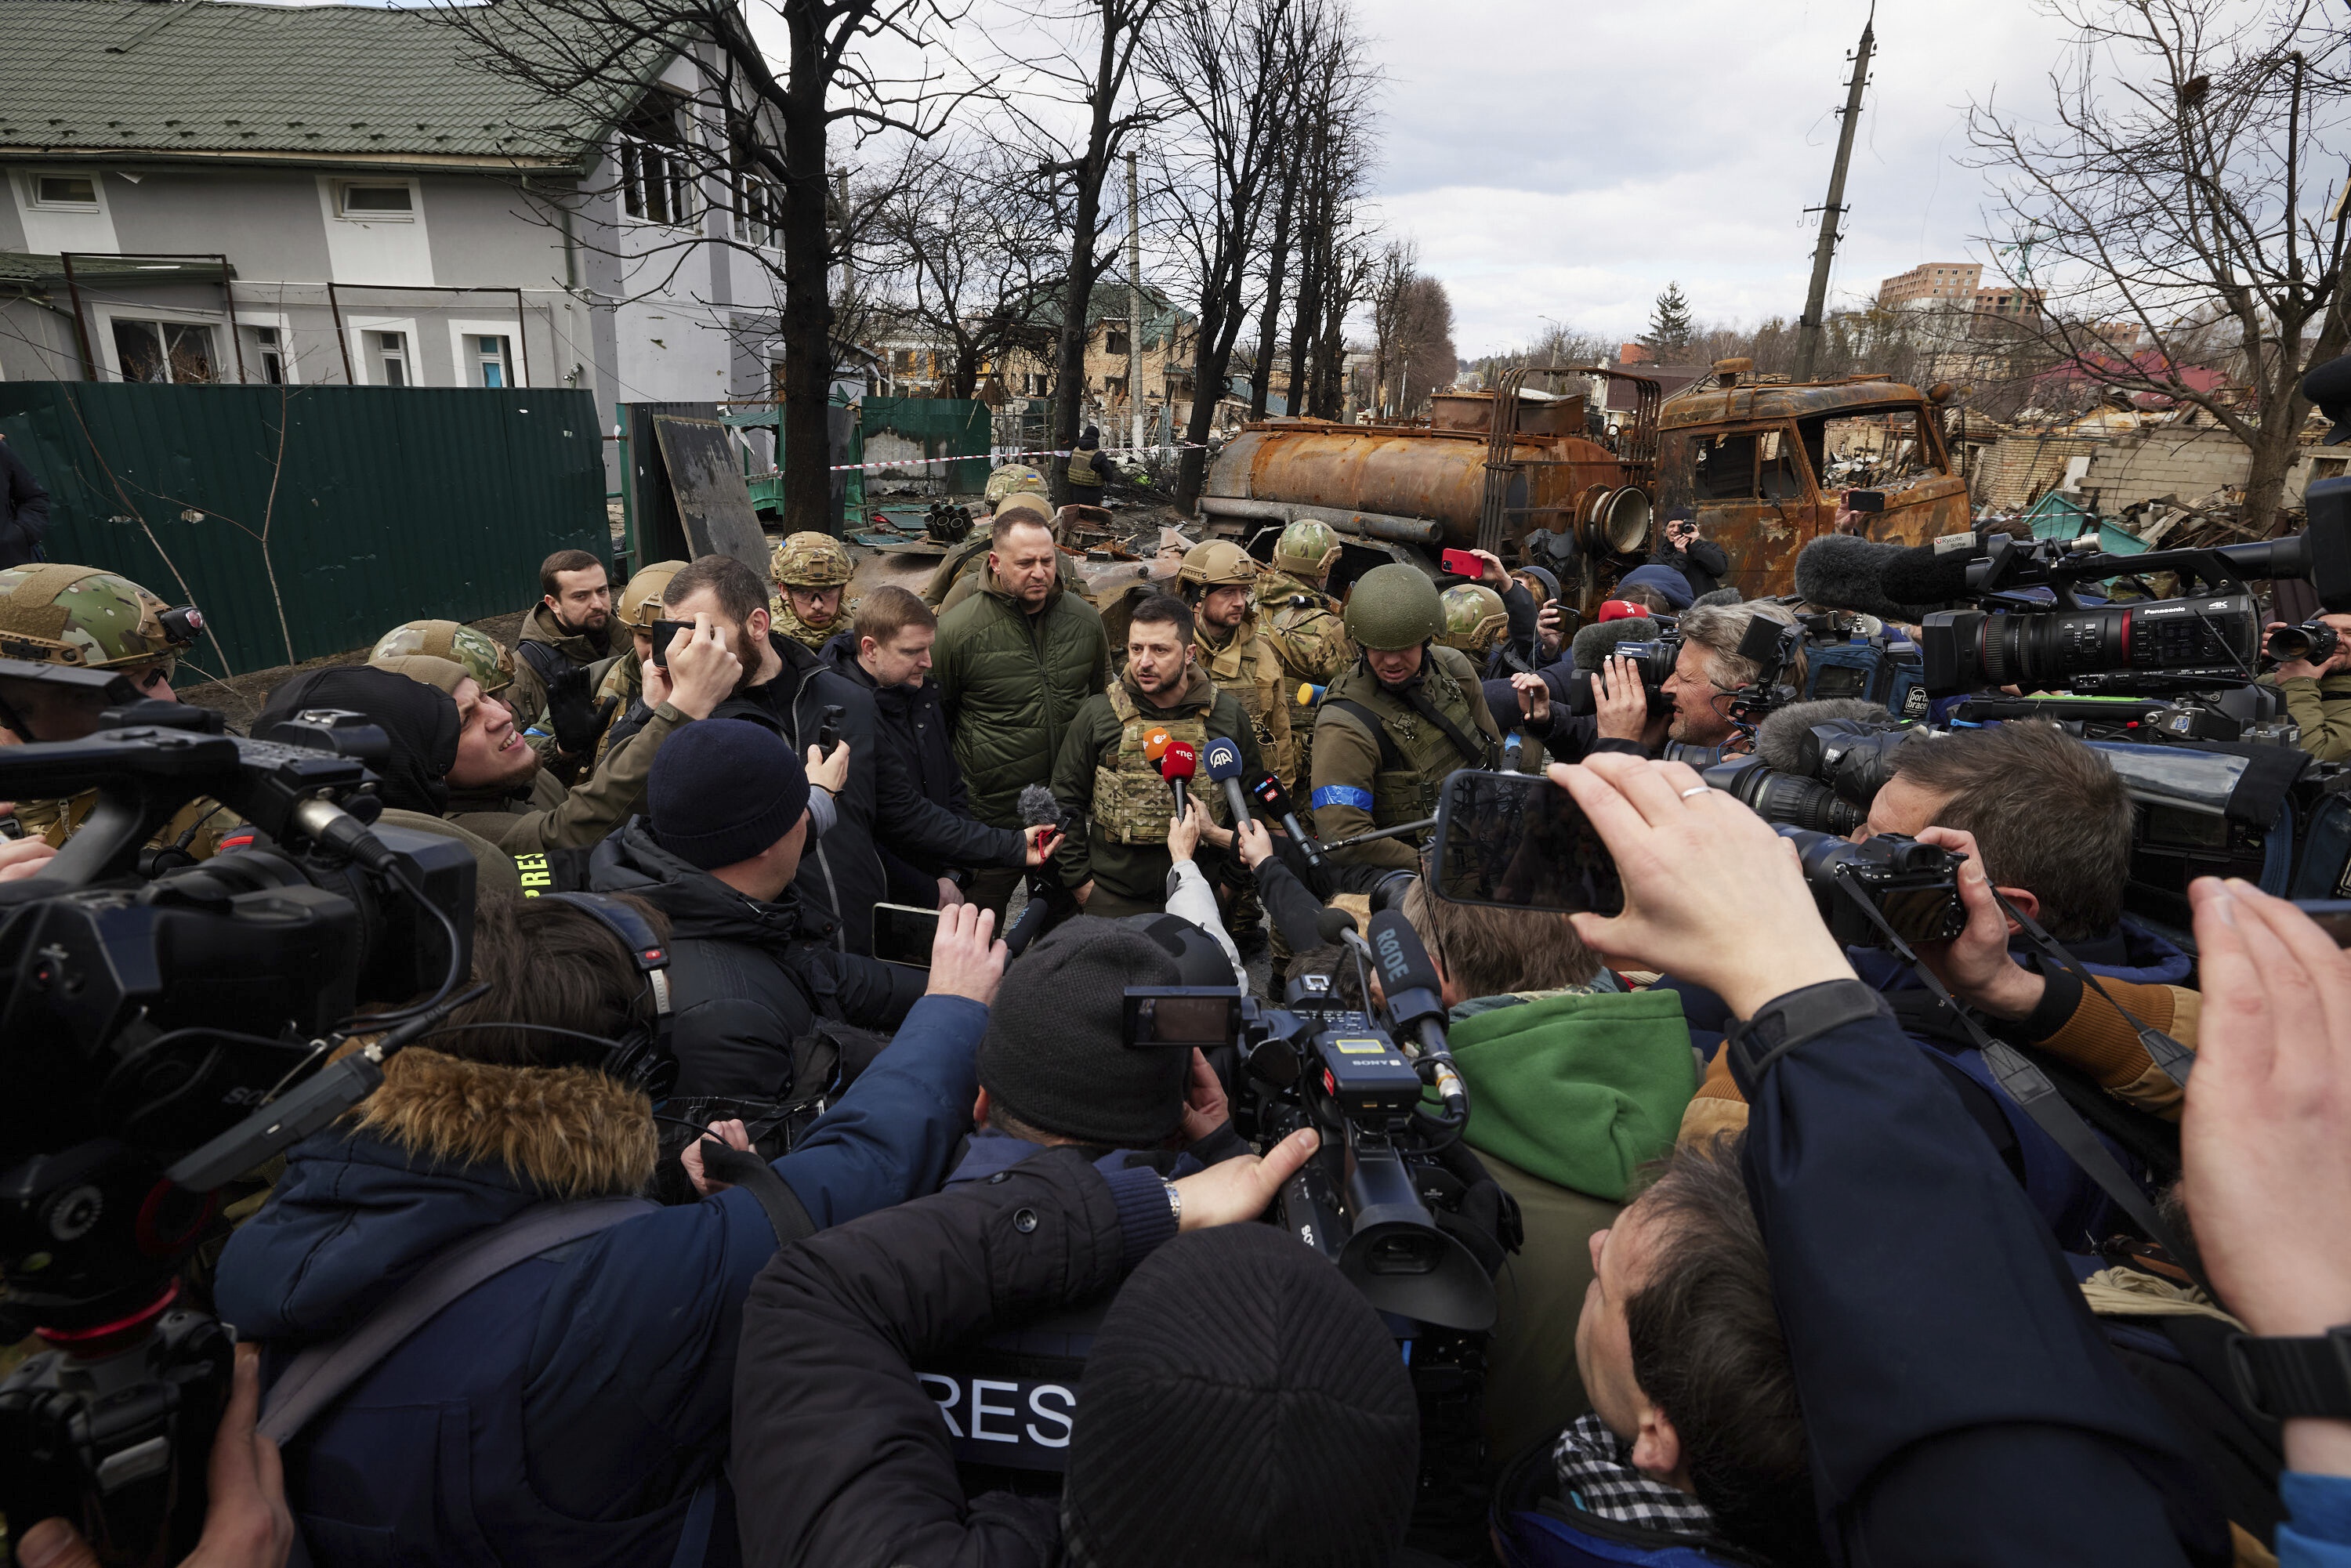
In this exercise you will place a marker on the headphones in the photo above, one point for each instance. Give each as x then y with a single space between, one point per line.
639 1056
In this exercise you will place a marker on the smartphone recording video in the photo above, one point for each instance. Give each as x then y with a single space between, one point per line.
1519 842
903 934
663 634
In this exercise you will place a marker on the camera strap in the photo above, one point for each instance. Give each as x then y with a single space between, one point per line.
2040 1099
2165 1052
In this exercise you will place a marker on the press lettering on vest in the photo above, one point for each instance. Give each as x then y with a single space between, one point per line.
947 1402
1063 1415
981 1409
534 876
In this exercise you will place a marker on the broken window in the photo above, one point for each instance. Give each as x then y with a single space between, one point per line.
178 352
1117 343
655 179
1888 450
269 344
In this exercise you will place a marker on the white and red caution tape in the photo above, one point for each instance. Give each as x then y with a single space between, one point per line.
996 457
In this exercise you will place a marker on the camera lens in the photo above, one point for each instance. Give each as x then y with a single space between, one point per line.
1968 649
1789 798
2314 641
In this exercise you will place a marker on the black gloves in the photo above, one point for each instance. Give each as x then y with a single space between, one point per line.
577 718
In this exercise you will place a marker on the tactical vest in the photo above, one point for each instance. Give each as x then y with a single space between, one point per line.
1248 667
196 828
1415 755
1081 470
1132 803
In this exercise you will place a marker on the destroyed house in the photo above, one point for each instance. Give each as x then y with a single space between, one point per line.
201 191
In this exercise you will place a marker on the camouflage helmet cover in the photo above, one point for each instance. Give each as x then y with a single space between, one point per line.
641 601
1394 606
1217 563
1012 479
1306 547
1474 617
811 561
492 666
60 614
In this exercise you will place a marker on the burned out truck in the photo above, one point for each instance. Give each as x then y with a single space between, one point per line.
1536 478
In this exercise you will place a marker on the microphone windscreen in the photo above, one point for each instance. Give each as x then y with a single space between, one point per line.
1777 737
1620 610
1927 574
1591 645
1179 762
1156 745
1403 961
1224 760
1333 923
1038 807
1842 572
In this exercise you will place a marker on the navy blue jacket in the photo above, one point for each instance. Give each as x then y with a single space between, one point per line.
567 1410
1959 1402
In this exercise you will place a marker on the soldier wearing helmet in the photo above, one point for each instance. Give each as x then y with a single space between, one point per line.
86 619
1300 618
812 572
477 653
639 606
963 574
1218 579
1474 620
1397 723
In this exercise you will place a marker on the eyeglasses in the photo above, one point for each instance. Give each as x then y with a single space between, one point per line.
156 675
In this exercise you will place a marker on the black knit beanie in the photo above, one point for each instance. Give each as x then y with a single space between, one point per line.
1055 1055
1243 1405
723 790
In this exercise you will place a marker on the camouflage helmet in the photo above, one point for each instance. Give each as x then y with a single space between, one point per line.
1011 479
1474 617
1216 563
1307 549
1393 607
492 666
640 602
811 561
78 615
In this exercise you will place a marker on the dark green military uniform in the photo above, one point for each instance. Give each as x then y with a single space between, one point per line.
2322 708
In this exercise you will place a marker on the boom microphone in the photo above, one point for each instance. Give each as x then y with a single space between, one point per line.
1591 645
1930 574
1842 572
1777 738
1177 764
1224 760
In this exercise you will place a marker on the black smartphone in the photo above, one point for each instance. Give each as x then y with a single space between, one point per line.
664 633
2333 915
903 934
1864 500
1519 842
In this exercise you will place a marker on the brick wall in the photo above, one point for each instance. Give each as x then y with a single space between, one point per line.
2190 464
2018 467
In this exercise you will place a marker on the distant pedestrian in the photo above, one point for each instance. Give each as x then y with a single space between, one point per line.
25 512
1083 473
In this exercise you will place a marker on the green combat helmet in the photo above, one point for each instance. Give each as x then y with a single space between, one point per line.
811 561
1394 606
1306 550
93 620
1473 618
1013 479
492 667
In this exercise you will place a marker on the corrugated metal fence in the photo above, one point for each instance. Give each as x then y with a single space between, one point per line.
307 520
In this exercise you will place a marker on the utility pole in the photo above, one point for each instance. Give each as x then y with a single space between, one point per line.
1809 329
1133 304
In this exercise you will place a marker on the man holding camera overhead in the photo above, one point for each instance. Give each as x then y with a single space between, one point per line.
1113 766
2317 692
1393 728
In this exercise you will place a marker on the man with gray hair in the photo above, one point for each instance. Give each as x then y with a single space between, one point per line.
1710 670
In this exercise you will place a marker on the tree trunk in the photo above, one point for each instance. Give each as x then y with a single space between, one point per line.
1191 466
808 303
1270 325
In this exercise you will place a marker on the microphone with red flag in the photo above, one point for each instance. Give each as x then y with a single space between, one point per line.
1177 763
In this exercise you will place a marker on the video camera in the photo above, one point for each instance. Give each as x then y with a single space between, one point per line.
149 1018
1771 647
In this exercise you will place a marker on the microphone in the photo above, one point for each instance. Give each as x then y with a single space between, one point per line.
1930 574
1842 572
1778 737
1276 802
1224 760
1332 924
1408 980
1176 764
1309 694
1591 645
1620 610
1155 744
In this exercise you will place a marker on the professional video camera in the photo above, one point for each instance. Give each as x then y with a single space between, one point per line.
154 1025
1771 647
1843 659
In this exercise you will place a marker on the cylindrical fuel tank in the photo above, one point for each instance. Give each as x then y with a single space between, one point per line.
1383 470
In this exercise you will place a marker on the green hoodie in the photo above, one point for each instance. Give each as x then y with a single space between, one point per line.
1579 1090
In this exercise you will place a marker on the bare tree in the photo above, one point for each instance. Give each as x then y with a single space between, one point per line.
2176 191
728 148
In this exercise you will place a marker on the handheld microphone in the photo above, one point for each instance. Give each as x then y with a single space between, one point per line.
1414 1001
1178 763
1309 694
1276 802
1224 760
1155 744
1620 610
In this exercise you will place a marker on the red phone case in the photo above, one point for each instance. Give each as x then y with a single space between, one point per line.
1462 563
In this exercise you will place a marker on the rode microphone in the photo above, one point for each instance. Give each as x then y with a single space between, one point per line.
1176 764
1276 802
1224 760
1415 1002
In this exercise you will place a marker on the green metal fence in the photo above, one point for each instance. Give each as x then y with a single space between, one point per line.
307 520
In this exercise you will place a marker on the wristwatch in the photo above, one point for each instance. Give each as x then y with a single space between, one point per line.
2285 1378
1175 1201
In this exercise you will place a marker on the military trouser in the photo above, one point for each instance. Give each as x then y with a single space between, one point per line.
992 888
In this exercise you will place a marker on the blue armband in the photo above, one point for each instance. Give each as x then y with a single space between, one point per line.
1341 794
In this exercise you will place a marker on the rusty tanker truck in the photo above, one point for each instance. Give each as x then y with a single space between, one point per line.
1537 481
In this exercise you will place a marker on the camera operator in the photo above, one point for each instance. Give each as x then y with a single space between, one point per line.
574 1407
1683 566
1121 865
1620 720
727 824
1902 1256
1396 725
2318 695
1708 671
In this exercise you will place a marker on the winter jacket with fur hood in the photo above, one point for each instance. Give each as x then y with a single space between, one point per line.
567 1410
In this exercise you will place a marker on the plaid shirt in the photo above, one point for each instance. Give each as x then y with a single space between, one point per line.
1596 1474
